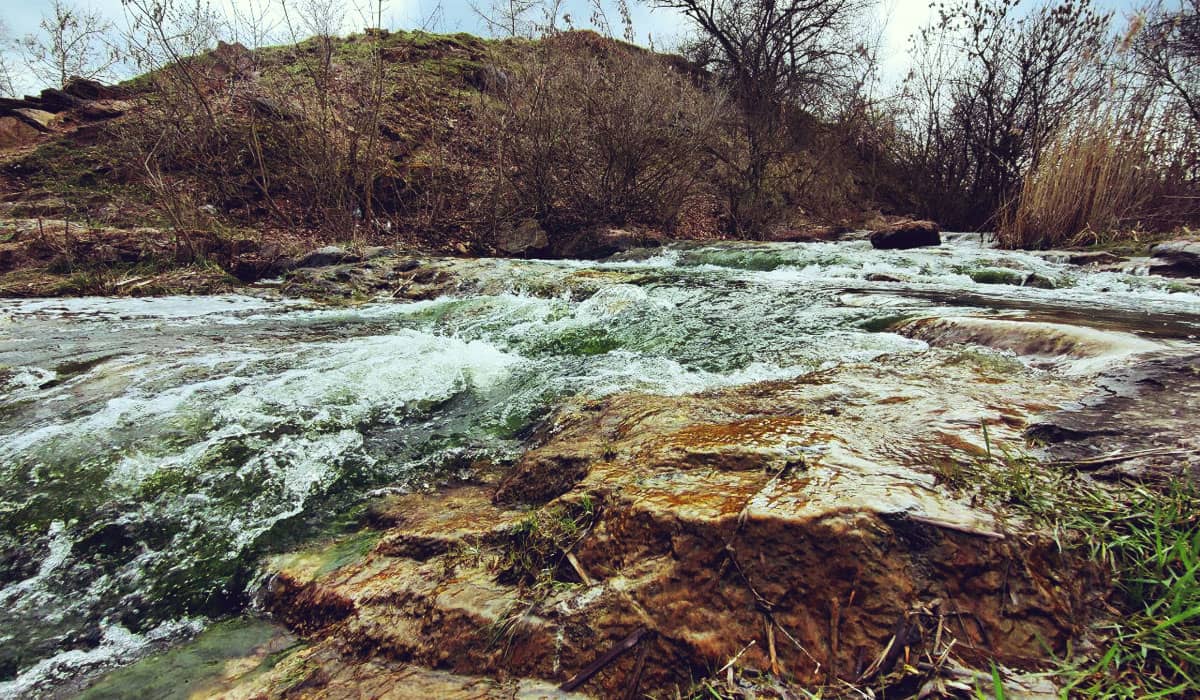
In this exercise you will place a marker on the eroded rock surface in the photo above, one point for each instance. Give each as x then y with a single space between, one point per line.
813 525
1140 421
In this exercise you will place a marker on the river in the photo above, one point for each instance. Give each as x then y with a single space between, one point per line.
152 451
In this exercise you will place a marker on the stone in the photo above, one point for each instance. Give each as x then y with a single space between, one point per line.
324 257
99 111
377 251
233 59
704 521
907 234
1039 281
524 237
55 100
36 118
86 89
1074 350
1080 257
597 243
489 78
15 133
1138 423
1176 259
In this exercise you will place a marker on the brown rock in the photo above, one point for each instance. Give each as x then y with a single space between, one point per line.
524 237
86 89
15 133
907 234
705 520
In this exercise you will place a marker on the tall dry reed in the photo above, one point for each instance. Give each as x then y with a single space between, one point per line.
1094 179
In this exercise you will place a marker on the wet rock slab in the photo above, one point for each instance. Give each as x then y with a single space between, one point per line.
810 525
1139 422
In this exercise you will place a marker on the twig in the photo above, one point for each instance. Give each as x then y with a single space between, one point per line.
604 659
583 576
770 625
1115 458
638 670
835 623
735 658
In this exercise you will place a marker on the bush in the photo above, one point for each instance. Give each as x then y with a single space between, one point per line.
589 136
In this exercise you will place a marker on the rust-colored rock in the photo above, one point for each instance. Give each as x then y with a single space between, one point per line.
16 133
805 524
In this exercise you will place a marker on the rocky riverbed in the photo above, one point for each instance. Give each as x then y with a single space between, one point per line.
779 465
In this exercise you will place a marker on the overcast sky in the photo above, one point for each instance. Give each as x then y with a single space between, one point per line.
897 19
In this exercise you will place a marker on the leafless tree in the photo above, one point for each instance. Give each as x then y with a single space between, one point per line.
508 18
7 87
775 59
71 42
991 85
252 23
1167 51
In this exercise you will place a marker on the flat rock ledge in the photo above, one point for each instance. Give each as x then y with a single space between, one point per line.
817 530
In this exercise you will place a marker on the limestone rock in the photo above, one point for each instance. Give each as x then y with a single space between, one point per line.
704 522
15 133
324 257
524 237
907 234
1176 259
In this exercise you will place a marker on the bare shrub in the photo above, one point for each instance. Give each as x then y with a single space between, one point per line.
296 141
779 61
72 41
588 137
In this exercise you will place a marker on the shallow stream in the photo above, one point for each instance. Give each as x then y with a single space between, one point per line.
153 450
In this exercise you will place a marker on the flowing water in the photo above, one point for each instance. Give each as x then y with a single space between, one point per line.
153 450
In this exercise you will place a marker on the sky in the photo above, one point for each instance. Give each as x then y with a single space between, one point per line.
896 19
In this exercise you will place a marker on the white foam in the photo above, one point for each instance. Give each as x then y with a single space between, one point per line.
117 646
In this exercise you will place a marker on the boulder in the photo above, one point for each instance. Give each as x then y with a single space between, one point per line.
489 79
685 526
86 89
55 100
598 243
99 111
36 118
233 60
1176 259
522 238
15 133
907 234
324 257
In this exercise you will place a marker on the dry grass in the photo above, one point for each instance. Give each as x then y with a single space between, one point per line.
1118 169
1092 180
